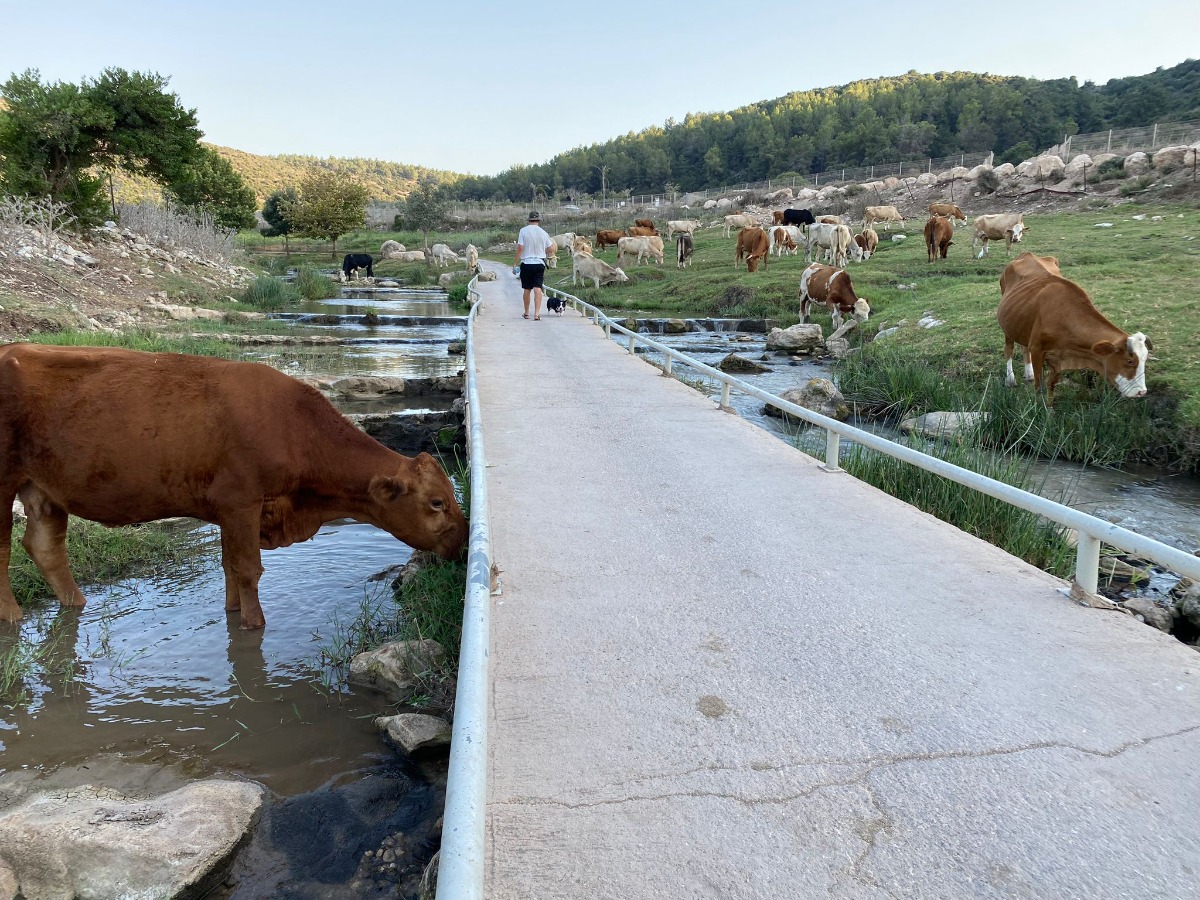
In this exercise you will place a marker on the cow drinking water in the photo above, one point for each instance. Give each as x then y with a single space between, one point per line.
352 262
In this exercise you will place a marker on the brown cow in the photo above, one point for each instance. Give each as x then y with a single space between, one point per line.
947 210
938 233
118 437
642 231
754 245
644 223
1059 326
832 287
608 237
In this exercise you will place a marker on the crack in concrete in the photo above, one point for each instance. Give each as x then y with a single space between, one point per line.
869 766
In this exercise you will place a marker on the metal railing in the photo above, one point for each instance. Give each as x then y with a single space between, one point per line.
1091 531
1125 140
460 868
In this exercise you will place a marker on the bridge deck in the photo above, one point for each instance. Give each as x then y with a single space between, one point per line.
720 672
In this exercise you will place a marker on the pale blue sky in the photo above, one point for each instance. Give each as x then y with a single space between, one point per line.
477 87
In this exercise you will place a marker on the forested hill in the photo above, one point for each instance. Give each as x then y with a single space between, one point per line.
911 116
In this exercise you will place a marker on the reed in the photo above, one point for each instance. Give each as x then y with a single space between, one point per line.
267 292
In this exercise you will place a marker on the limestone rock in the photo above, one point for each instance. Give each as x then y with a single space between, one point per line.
675 326
710 204
739 364
980 169
1151 613
796 339
489 275
1078 163
1189 604
414 731
1137 164
926 179
953 174
1042 168
92 841
395 669
1172 157
820 395
1005 170
951 426
724 203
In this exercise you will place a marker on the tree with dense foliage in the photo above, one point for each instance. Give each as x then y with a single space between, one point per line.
54 136
274 211
908 117
327 205
425 208
210 185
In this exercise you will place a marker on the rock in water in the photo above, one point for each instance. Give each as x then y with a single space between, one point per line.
92 841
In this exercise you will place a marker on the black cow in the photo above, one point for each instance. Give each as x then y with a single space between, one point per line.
355 261
683 244
801 217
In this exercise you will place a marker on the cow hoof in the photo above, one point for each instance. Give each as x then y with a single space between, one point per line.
253 624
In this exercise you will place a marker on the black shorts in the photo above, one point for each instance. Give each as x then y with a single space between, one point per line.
532 274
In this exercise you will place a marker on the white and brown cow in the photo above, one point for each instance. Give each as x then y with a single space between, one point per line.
831 287
754 245
1009 226
1059 326
835 238
949 211
885 214
867 241
782 240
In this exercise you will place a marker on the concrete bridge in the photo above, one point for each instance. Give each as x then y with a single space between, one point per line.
719 671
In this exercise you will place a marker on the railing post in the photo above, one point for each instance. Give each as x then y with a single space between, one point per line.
1087 562
632 341
725 395
832 447
667 367
607 329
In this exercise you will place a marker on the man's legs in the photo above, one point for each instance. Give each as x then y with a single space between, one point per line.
537 302
525 300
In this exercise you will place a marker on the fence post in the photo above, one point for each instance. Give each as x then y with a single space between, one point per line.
901 175
1154 139
843 174
1108 149
930 169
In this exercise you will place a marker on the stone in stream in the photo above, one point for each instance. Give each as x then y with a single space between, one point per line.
91 841
796 339
1188 605
820 395
739 364
396 669
948 426
675 326
1151 613
412 732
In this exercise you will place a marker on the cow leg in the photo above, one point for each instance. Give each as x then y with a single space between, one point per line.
46 543
242 561
1009 378
10 610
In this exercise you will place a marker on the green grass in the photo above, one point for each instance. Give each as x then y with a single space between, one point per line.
144 339
270 293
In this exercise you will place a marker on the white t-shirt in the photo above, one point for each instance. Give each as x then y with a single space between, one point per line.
534 243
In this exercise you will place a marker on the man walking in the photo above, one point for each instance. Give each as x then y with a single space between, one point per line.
533 246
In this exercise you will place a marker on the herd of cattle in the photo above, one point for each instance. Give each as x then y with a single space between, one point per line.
1049 316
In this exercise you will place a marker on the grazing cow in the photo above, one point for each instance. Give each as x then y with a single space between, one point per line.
885 214
781 240
443 255
608 237
938 233
868 241
801 218
1059 326
754 245
585 266
739 221
681 226
352 262
683 246
948 210
119 436
581 245
564 241
641 231
832 287
1010 226
645 223
638 247
829 220
552 256
389 248
472 258
835 238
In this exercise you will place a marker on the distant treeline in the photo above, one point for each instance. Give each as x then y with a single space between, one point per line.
912 116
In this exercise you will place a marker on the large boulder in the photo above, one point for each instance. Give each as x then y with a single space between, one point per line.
891 183
1005 170
1042 168
1137 164
951 426
395 669
780 196
1151 613
820 395
1188 605
710 204
735 364
1099 159
724 203
412 732
806 193
953 174
1172 157
980 169
1078 163
91 841
796 339
926 179
675 326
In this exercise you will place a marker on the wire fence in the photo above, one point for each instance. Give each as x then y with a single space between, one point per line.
1123 141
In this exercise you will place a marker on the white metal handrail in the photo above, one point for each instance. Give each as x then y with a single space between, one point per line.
1091 531
460 867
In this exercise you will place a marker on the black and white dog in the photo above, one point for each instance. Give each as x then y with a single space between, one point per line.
556 305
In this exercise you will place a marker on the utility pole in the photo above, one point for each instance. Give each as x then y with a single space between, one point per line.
603 170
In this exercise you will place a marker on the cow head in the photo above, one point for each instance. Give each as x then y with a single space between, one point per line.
1016 231
416 505
862 309
1125 363
616 275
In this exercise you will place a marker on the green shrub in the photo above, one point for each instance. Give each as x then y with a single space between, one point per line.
853 190
988 182
312 285
457 293
1137 185
268 292
1111 169
734 297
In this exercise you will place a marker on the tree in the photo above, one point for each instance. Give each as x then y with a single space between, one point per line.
53 136
327 205
211 185
425 208
274 211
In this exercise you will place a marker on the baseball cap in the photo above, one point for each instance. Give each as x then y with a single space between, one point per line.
535 216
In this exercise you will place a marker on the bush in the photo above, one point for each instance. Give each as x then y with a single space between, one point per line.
1137 185
457 293
267 292
735 296
988 181
312 285
1111 169
853 190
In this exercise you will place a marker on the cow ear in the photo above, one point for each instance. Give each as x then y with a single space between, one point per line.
387 488
1149 344
1105 348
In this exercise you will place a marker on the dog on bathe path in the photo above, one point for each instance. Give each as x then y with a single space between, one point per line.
556 305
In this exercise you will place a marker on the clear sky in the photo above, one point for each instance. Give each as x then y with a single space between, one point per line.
478 87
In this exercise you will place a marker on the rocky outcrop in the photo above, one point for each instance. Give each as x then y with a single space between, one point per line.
1173 157
92 841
